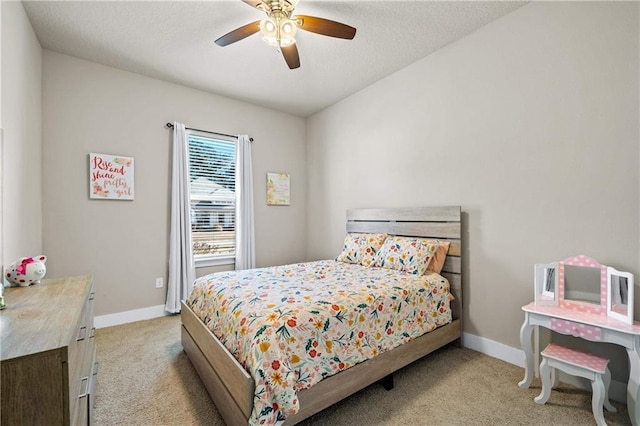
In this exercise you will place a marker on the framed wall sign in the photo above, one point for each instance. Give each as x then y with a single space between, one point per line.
110 177
278 189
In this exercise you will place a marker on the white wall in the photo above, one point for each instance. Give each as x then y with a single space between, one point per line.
21 119
530 123
1 168
92 108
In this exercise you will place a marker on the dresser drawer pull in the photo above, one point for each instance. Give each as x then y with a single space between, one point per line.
85 382
82 333
93 333
95 368
92 295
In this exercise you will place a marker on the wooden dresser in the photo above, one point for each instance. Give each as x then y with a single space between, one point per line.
48 364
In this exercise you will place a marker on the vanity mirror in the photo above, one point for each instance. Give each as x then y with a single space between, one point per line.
620 295
582 285
546 284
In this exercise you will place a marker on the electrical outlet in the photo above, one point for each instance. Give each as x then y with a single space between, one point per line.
159 283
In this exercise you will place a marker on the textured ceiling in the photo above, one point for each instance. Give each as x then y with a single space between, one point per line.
173 41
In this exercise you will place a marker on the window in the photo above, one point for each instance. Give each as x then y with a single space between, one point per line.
213 199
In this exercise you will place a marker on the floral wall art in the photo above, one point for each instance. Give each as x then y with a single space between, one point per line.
110 177
278 189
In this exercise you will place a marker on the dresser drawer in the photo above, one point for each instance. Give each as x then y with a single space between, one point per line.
93 381
81 358
82 407
576 329
84 399
76 350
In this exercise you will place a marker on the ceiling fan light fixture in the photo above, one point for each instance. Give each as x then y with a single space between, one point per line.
269 26
269 31
278 32
289 27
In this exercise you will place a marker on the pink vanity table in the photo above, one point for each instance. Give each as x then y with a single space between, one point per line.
590 321
596 328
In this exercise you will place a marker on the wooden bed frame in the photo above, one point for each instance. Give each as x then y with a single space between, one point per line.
231 388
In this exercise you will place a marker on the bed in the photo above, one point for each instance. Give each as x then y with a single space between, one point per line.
232 388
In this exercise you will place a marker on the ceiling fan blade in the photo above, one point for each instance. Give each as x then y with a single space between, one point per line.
238 34
290 54
324 27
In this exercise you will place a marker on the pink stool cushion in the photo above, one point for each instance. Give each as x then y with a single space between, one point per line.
576 357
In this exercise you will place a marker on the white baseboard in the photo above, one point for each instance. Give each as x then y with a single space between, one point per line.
493 349
110 320
617 389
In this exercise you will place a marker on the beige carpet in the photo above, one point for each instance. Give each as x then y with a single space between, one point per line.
145 378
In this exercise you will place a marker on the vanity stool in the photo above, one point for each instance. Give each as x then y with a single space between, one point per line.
581 364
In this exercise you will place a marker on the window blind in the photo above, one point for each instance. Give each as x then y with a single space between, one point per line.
212 194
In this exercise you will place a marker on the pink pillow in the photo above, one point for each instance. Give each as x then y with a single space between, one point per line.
439 257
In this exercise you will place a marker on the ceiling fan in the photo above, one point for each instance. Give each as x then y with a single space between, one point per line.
279 28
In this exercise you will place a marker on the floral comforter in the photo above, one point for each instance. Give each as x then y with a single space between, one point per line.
290 326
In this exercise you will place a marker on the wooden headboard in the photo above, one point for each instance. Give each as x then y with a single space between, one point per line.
443 223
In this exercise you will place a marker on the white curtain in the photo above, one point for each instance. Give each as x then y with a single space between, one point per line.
245 240
181 267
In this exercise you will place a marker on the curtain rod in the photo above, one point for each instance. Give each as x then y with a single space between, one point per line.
170 126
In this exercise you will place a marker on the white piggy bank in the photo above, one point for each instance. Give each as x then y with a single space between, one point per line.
26 271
